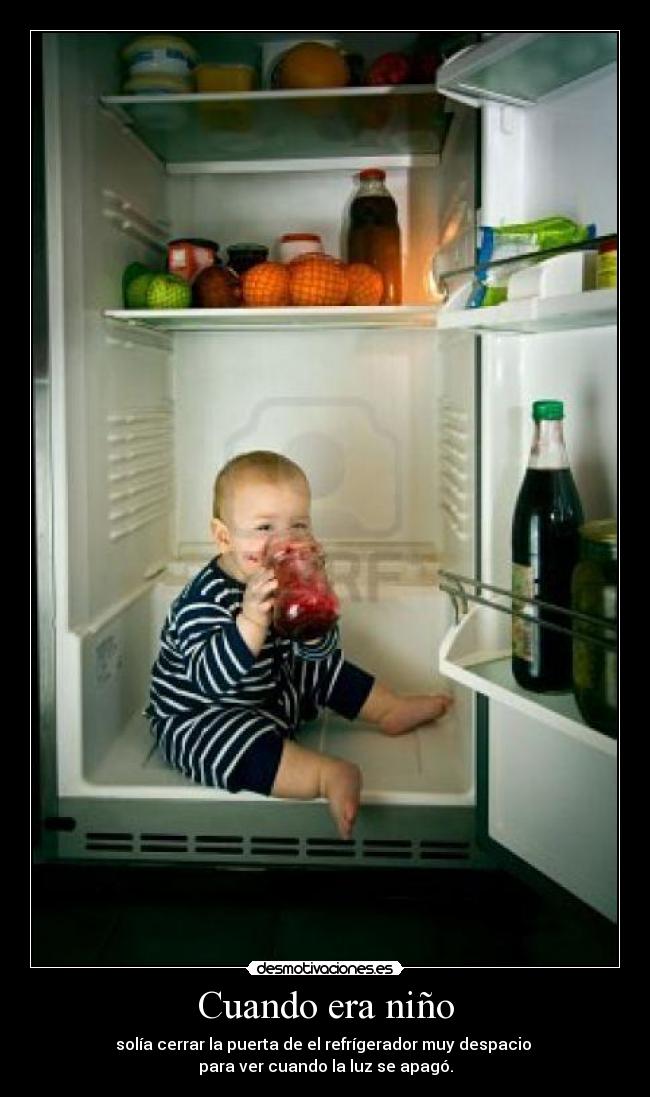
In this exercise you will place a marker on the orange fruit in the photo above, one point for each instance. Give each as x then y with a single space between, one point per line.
317 280
313 65
266 285
365 285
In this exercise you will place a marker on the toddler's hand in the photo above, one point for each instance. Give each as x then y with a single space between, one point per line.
257 605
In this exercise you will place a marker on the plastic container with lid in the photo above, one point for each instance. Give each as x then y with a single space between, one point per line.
594 591
154 83
190 255
159 53
558 276
607 265
158 116
298 243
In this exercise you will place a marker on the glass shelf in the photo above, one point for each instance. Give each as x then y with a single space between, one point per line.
477 654
303 318
286 125
525 67
594 308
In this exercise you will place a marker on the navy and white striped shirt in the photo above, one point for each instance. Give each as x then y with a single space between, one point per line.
203 659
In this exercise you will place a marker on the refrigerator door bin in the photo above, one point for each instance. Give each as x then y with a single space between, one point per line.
477 654
526 67
594 308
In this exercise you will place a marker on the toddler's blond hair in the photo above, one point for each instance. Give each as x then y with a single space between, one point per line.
269 466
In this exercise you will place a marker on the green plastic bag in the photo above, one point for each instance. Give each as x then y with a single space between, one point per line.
507 241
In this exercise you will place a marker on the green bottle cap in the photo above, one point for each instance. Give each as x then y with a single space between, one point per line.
548 409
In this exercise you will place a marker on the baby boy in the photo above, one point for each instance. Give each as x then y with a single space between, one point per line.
228 694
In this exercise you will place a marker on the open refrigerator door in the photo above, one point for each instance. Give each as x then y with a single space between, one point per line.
547 781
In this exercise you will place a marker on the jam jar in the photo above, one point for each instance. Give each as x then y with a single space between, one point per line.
241 257
594 591
305 606
188 256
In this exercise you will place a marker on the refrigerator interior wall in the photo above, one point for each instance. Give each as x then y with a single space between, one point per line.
557 158
577 367
261 206
142 424
110 394
357 410
570 155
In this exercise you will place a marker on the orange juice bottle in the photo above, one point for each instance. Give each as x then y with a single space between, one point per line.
374 234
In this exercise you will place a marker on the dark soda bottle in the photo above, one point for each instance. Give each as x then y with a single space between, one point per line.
545 550
374 235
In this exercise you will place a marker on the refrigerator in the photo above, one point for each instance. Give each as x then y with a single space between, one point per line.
412 423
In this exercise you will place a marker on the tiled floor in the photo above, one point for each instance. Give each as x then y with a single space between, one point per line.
99 916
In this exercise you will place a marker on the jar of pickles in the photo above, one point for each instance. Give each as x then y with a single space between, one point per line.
594 591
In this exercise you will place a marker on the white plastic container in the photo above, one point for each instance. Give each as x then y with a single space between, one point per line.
559 276
158 84
160 54
298 243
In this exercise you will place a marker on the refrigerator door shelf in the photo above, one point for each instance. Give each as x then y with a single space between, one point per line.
530 315
525 67
477 653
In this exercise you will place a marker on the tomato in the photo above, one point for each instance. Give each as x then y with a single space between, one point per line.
390 68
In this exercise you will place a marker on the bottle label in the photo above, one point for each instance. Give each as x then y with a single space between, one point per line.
522 632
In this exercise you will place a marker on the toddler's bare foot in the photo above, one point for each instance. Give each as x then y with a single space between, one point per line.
407 713
342 787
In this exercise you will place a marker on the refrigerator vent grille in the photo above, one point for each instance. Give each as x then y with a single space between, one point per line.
455 443
140 454
109 841
330 847
231 845
444 851
277 848
163 843
395 849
